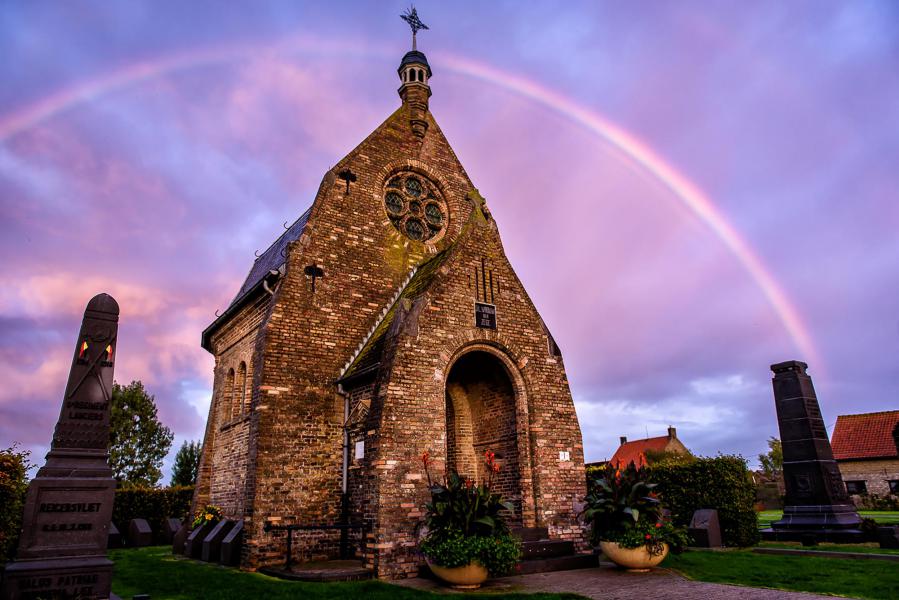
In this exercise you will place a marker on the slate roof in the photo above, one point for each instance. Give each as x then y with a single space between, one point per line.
370 354
273 257
869 435
635 452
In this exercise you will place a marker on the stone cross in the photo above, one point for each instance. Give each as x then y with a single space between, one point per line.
68 509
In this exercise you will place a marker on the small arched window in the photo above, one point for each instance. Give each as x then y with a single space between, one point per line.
240 391
227 396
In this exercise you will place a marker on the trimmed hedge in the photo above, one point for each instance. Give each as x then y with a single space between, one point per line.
153 504
14 467
724 483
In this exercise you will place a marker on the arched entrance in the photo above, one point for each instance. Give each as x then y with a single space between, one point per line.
481 416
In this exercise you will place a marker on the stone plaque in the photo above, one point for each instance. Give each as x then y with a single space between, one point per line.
68 508
705 529
139 533
212 543
485 315
230 551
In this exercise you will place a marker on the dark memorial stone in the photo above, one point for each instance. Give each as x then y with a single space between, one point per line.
193 547
704 529
68 509
817 507
230 551
139 533
114 538
180 539
888 537
212 543
169 528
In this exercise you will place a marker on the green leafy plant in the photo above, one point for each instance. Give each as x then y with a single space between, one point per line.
208 514
623 507
466 522
14 466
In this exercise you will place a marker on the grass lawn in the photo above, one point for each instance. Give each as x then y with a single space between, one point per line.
856 578
883 517
156 572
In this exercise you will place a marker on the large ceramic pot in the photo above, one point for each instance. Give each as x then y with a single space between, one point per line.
468 577
633 559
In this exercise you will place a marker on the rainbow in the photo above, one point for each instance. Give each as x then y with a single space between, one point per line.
631 147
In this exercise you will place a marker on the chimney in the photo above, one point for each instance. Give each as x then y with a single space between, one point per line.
672 433
623 440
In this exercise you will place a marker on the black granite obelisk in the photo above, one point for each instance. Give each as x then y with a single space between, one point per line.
62 549
817 507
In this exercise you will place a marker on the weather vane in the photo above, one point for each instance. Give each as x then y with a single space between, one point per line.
411 17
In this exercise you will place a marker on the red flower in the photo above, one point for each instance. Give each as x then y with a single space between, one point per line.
496 467
426 458
658 525
468 483
648 536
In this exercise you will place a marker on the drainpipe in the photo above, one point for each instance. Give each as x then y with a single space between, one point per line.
344 495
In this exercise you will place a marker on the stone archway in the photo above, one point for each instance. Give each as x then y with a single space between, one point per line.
480 416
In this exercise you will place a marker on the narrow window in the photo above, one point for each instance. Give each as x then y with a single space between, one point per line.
240 393
227 396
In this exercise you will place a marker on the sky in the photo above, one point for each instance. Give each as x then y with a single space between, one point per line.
689 191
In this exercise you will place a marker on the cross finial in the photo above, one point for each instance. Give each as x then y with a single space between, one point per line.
411 17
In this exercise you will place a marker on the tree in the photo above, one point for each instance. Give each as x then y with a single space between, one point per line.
138 442
14 468
773 461
187 464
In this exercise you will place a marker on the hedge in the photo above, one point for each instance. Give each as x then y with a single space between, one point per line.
153 504
724 483
14 467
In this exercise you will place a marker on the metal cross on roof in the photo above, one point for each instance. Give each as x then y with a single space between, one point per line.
411 17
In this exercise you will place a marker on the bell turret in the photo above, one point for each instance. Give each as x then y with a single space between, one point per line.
414 72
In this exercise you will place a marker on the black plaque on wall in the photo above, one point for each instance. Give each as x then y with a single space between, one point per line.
485 315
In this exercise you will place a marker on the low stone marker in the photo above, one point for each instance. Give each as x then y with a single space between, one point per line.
180 538
888 537
68 509
230 551
193 547
114 539
139 533
169 528
212 543
704 529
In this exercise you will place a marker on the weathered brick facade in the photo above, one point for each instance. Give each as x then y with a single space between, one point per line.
348 313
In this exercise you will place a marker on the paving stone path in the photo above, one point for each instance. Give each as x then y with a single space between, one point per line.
612 584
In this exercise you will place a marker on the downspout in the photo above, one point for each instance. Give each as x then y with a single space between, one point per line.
344 495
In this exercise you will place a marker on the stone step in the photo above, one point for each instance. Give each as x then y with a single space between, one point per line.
557 563
531 534
546 549
327 570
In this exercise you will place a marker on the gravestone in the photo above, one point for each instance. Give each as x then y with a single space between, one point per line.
230 551
193 547
169 528
68 509
704 529
180 539
212 544
816 507
114 538
139 533
888 537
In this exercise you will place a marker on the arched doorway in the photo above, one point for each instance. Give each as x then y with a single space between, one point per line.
481 416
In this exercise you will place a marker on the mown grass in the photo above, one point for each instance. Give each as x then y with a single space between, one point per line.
883 517
855 578
157 572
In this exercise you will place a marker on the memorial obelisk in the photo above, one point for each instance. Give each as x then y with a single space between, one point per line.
817 507
62 549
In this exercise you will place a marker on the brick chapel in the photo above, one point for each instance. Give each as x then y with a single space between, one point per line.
386 322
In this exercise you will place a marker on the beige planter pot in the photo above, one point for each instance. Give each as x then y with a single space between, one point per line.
633 559
469 577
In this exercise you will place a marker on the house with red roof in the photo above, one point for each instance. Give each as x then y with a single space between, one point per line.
636 451
866 448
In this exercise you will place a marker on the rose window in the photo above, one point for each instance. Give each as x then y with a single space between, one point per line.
415 206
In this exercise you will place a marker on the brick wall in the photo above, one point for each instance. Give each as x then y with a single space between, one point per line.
875 473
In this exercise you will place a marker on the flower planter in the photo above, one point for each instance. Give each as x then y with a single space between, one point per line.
467 577
633 559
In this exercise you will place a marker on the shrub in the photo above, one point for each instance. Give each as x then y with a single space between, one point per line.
875 502
14 467
723 483
153 504
466 522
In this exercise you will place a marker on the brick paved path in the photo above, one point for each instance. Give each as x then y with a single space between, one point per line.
612 584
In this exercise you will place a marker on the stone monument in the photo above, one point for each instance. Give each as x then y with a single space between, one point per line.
68 509
817 507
